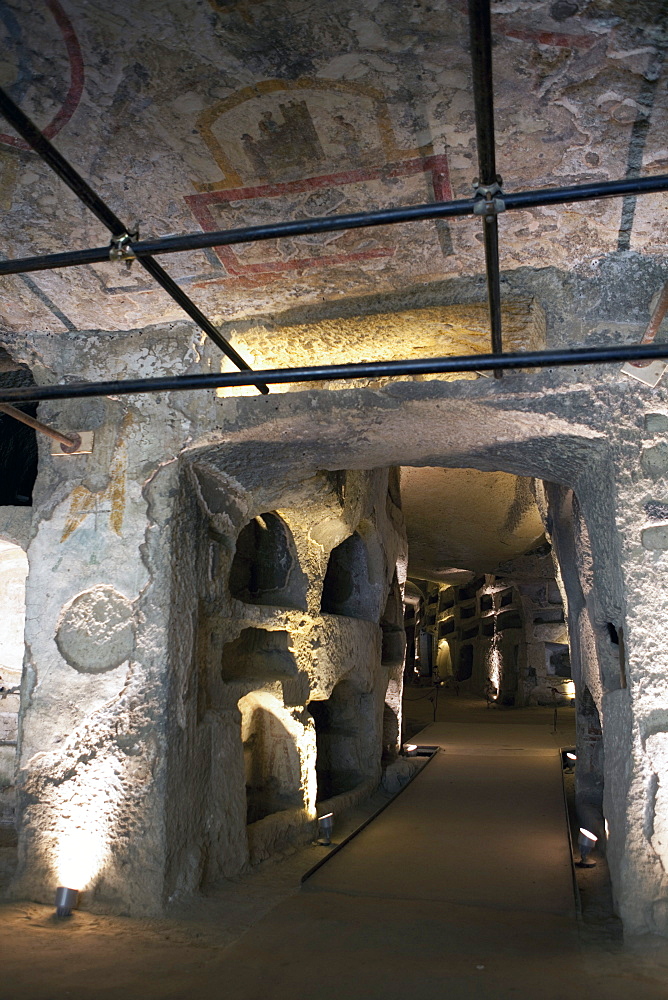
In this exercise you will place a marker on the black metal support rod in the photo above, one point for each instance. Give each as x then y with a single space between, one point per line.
84 192
57 162
480 31
335 223
325 373
491 236
172 288
480 28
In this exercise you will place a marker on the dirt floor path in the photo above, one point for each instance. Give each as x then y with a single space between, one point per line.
461 888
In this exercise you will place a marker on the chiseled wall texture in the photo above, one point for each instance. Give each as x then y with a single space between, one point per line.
113 743
135 540
148 681
13 570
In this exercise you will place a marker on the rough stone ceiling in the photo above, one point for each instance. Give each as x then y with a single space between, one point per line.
406 333
463 519
210 113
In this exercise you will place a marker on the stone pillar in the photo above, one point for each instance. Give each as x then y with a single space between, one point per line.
635 717
91 779
13 571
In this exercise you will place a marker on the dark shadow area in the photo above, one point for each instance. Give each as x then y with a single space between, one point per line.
271 765
465 663
338 727
346 589
265 568
18 443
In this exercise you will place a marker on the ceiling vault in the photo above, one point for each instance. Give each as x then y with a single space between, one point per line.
488 201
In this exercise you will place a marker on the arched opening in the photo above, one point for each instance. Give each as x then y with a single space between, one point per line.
393 653
258 656
271 759
13 573
343 724
265 569
18 443
347 589
464 663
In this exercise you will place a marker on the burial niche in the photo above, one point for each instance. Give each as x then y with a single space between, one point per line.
271 757
341 724
258 656
465 663
265 569
347 589
557 659
392 628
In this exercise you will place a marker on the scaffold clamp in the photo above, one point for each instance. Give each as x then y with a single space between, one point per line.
488 198
120 248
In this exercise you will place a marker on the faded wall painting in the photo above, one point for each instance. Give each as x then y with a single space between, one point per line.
35 69
293 149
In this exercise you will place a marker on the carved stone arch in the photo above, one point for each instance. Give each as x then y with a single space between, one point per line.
346 589
265 569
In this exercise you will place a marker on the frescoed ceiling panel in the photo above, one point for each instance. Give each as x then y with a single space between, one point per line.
203 115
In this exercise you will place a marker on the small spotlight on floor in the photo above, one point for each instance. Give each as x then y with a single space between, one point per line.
66 901
410 749
586 843
325 827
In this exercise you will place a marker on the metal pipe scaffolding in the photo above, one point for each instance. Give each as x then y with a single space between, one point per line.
489 183
119 232
326 373
489 200
335 223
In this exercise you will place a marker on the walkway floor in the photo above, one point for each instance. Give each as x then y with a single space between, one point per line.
460 889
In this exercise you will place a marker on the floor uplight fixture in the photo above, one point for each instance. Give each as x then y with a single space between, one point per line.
66 901
325 827
586 843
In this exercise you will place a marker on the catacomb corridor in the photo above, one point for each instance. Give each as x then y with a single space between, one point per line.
289 680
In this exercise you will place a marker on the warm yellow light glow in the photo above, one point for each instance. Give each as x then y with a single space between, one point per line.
434 331
495 665
84 810
290 745
569 689
80 854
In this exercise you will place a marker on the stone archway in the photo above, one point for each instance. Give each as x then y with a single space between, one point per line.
285 454
425 426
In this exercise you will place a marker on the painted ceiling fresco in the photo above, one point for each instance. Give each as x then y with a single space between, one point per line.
208 114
